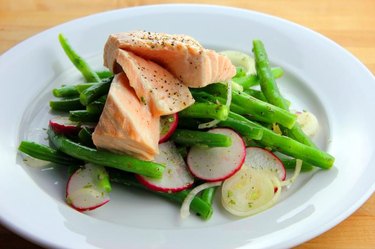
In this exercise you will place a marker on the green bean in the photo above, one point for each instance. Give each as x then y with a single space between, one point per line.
83 86
95 108
94 92
205 110
105 158
65 91
208 194
104 74
202 96
71 90
85 137
267 81
189 123
246 130
256 94
247 81
272 92
297 133
102 178
198 206
78 61
101 100
259 95
200 138
248 104
240 72
290 163
263 111
97 105
83 116
290 147
66 104
43 152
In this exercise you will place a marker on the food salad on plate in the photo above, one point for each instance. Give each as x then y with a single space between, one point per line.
182 121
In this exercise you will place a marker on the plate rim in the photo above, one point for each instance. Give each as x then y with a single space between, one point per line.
30 236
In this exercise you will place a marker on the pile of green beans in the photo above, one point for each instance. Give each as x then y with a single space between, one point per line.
84 102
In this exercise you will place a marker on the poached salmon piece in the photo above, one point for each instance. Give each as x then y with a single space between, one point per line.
126 125
154 85
181 55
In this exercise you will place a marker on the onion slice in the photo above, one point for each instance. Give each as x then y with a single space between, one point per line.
250 191
240 59
295 175
185 207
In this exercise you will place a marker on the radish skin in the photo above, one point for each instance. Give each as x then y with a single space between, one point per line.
85 190
62 125
79 199
167 127
176 177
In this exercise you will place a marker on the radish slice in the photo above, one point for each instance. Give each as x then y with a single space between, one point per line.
84 191
259 158
176 176
168 125
250 191
63 125
218 163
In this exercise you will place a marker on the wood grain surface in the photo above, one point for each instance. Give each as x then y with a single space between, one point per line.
350 23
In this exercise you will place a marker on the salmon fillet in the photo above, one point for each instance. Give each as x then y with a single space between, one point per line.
126 125
181 55
154 85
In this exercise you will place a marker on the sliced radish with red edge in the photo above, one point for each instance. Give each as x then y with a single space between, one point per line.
259 158
176 176
168 125
83 190
62 125
217 163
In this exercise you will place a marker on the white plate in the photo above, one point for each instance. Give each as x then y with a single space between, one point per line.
320 76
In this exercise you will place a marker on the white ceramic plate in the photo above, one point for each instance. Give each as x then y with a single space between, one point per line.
320 76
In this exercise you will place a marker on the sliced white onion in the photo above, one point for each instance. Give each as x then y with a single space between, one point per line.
229 93
34 162
250 191
210 124
297 170
185 207
214 122
240 59
308 122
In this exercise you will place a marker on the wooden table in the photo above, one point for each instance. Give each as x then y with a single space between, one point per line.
350 23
